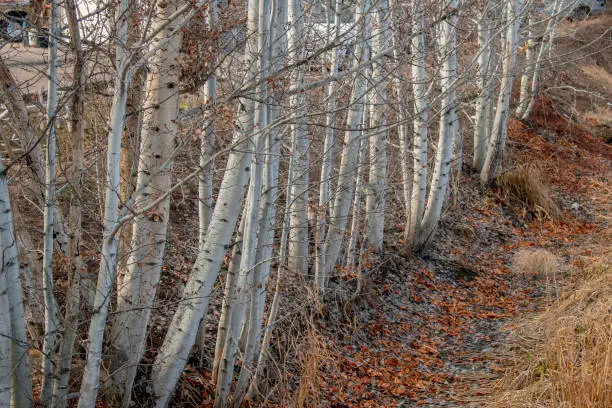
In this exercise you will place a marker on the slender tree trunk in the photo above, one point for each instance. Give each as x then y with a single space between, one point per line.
50 331
497 141
5 343
350 251
527 69
298 232
328 155
375 199
482 104
344 193
108 259
13 341
419 183
547 40
441 173
71 320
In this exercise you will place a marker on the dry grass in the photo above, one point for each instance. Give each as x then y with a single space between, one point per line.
527 184
538 261
563 358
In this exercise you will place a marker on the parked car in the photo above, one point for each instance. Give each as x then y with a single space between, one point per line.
577 9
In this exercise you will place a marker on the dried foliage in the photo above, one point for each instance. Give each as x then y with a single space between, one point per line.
538 261
526 183
568 362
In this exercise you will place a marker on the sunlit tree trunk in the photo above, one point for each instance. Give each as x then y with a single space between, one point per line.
420 124
71 320
328 154
344 187
497 140
298 232
182 331
547 40
375 199
528 66
442 166
50 330
481 133
15 381
108 258
136 296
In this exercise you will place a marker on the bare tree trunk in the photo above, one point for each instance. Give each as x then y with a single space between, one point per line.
547 40
481 133
328 154
342 201
375 199
497 141
30 143
136 297
441 173
419 183
71 320
108 258
182 332
350 251
50 330
13 338
298 232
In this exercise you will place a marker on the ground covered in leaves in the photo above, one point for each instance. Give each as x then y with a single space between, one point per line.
432 336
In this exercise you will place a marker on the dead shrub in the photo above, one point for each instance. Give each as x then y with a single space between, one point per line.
565 357
527 184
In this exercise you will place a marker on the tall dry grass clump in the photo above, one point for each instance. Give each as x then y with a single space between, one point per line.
539 261
565 355
527 184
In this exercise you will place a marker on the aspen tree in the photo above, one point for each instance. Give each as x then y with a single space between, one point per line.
182 332
497 140
481 129
77 111
441 173
108 258
50 329
375 199
420 125
298 233
344 188
13 339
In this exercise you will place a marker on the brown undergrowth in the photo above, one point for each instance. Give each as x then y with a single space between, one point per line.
563 358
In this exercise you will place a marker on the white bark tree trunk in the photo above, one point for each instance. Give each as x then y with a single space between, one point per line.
328 155
298 232
375 199
108 258
527 69
50 330
136 296
73 298
13 338
421 106
547 40
344 188
441 173
481 132
350 251
497 140
182 332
